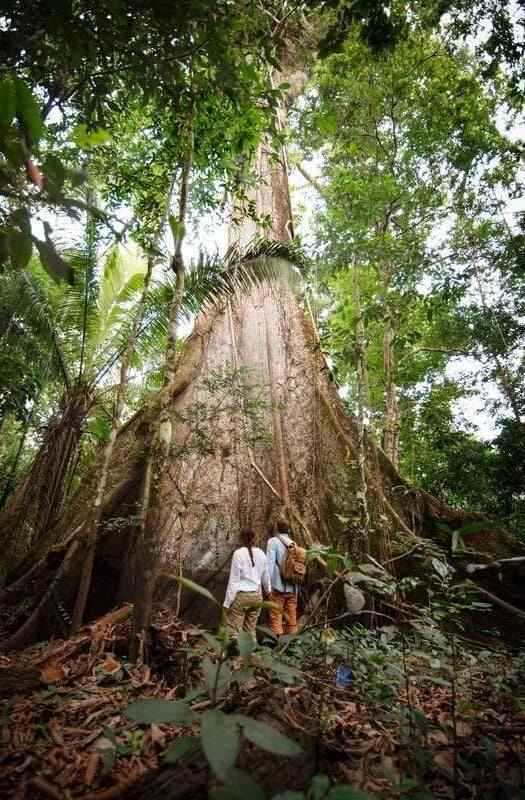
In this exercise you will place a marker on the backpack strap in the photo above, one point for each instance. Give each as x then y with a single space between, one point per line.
292 544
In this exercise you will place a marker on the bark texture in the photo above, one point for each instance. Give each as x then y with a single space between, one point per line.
30 511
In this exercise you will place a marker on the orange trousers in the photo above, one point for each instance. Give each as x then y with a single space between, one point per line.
284 621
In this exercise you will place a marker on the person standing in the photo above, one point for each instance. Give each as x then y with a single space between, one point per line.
283 592
248 578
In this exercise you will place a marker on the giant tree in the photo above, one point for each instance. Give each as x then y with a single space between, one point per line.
255 423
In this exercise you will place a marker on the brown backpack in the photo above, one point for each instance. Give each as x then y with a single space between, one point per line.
293 566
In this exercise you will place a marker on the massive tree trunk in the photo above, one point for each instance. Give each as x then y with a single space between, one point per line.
257 426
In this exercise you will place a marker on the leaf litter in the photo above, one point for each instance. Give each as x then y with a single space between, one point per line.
67 736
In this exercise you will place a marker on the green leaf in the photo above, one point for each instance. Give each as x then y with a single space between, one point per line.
195 587
161 711
268 738
14 153
219 739
214 642
242 786
319 786
477 526
121 749
52 262
349 793
7 103
54 173
177 229
283 671
100 428
27 111
20 247
180 747
441 526
289 795
217 677
245 644
420 720
333 562
327 123
88 139
440 567
241 675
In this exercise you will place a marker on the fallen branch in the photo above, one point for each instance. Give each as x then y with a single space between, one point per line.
496 600
114 791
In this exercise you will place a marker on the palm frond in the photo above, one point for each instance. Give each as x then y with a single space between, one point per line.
211 278
37 309
122 277
122 281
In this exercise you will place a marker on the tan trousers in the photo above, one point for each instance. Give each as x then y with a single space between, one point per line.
241 618
284 621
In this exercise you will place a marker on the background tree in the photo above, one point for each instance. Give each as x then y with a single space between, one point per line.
410 153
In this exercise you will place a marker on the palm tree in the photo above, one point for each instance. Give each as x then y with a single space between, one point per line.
80 329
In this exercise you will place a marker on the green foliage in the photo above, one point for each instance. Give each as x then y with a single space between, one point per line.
320 789
335 561
160 711
413 248
219 731
85 66
458 536
232 398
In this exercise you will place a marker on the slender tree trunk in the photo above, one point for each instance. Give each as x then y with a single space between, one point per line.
501 369
96 517
10 481
150 528
508 391
362 382
391 424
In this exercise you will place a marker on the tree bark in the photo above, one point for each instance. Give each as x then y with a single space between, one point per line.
154 491
38 496
391 424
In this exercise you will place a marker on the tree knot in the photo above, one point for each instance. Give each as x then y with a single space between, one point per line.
177 264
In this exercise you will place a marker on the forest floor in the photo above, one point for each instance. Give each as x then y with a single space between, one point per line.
390 713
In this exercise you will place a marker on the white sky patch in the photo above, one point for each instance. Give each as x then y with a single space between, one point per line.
472 412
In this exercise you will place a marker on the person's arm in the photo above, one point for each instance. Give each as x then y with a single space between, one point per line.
265 578
233 582
271 555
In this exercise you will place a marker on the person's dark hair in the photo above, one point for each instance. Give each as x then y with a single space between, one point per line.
281 526
248 539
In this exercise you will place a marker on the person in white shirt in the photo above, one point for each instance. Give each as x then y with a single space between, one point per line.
248 577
